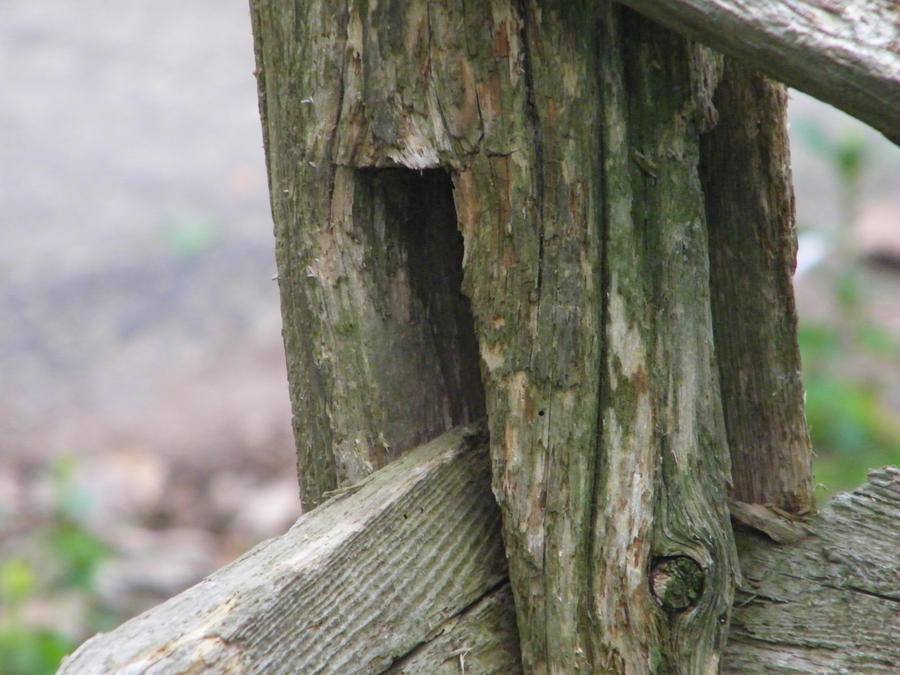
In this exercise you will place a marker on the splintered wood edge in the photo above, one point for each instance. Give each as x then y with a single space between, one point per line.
357 584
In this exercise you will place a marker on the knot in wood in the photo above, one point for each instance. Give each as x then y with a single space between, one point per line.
676 582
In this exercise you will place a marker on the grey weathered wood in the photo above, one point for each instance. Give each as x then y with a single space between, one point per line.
424 531
483 640
380 348
844 52
563 140
831 602
746 175
354 586
661 411
570 132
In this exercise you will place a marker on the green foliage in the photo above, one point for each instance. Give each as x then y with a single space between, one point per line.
62 556
78 553
851 426
847 153
189 238
17 582
24 651
848 289
852 430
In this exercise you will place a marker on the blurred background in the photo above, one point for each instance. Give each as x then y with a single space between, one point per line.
144 413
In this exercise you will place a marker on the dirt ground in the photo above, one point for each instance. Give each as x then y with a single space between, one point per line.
139 323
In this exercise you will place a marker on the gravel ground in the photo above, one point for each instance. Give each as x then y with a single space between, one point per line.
135 218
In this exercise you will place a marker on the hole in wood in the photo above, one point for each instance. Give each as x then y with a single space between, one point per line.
676 582
428 362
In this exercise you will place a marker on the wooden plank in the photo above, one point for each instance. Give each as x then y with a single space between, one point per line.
844 53
661 516
745 167
405 574
354 586
831 602
483 640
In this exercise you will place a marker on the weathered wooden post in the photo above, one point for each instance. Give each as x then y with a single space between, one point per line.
497 208
563 218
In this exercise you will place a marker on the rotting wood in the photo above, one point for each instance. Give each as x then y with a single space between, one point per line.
845 53
380 349
826 604
571 133
664 465
746 176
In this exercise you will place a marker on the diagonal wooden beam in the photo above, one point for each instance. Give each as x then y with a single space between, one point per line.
405 573
846 53
355 585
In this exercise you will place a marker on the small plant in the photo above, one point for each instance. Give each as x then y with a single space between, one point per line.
187 238
77 551
25 650
60 557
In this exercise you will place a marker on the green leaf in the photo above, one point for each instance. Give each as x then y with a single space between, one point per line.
17 581
78 552
32 652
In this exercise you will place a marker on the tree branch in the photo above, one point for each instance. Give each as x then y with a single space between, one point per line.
845 53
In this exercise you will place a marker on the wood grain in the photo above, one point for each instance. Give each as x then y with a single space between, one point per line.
745 167
354 586
844 53
424 533
831 602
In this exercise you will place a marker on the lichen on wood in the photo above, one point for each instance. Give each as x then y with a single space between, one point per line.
571 133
